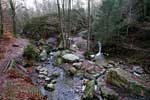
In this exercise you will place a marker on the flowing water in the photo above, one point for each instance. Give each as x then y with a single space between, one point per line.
64 88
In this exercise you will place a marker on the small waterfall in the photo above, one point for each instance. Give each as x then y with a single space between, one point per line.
99 54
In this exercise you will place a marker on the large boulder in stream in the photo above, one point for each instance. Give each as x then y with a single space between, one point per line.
124 80
70 57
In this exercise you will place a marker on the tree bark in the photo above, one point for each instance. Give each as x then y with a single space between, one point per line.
69 18
60 22
89 25
13 16
1 19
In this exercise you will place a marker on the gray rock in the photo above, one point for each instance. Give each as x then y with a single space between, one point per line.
77 65
50 87
55 74
47 79
53 81
43 55
38 68
138 69
41 76
70 57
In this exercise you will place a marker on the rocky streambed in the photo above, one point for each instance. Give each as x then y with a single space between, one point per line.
67 75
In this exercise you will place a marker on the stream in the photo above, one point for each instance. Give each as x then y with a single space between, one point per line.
64 87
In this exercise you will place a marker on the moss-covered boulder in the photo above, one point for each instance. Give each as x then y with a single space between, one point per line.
89 90
124 80
109 94
57 61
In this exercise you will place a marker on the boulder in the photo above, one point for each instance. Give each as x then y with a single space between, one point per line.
123 79
70 57
77 65
109 94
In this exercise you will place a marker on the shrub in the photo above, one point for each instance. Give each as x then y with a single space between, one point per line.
30 53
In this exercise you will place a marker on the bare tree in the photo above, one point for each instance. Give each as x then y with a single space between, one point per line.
89 25
61 23
13 12
69 18
1 18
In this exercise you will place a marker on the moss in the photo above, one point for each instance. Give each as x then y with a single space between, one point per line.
116 80
138 89
58 61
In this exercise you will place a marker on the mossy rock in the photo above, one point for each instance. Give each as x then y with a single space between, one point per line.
124 80
89 90
57 61
109 94
117 80
72 71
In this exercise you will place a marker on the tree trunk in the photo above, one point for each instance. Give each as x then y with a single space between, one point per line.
69 18
1 19
13 16
89 25
61 24
63 14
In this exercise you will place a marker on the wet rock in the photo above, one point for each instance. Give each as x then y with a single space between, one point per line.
77 65
41 76
124 80
138 70
43 71
38 68
72 71
53 81
47 79
70 57
43 55
109 94
56 74
49 87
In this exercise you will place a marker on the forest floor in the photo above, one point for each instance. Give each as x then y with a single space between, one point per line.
14 83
